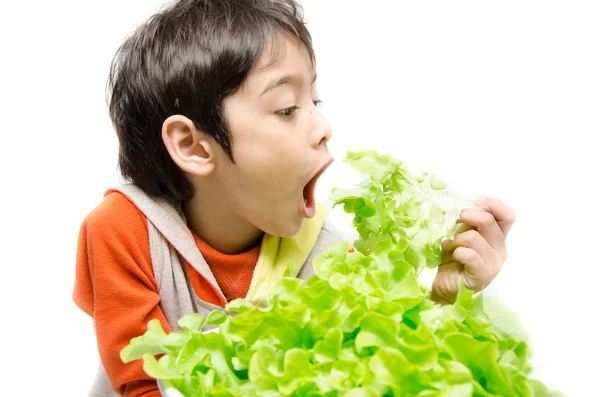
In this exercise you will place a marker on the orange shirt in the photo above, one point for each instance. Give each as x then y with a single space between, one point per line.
115 284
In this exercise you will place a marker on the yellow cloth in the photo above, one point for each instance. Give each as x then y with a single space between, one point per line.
276 253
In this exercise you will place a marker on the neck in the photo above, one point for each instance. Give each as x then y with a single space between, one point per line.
220 227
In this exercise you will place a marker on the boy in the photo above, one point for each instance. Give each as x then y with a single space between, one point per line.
215 107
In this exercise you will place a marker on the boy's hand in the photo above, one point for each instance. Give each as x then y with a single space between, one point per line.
477 252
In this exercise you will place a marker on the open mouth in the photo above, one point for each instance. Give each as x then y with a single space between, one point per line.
309 191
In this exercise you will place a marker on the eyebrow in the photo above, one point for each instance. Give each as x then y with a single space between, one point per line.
294 79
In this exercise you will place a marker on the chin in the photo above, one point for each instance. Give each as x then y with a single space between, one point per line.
287 231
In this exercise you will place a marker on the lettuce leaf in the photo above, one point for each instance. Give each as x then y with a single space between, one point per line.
363 325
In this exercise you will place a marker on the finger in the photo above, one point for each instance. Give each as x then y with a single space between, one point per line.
487 225
445 283
505 216
463 227
446 246
477 274
474 240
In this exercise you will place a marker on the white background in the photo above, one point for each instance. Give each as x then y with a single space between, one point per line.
497 98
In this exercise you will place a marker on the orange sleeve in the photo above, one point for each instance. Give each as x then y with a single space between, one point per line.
115 284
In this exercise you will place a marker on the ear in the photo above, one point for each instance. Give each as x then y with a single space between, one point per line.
191 149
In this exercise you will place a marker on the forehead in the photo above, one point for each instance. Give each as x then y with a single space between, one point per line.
282 55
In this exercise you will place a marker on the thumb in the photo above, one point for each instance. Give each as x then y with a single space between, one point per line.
445 284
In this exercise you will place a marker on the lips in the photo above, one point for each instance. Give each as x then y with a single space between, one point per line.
309 191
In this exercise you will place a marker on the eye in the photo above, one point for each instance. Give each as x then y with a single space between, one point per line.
289 112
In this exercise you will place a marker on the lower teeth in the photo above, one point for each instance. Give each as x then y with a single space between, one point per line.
305 201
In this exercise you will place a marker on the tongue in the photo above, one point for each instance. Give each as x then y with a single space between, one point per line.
309 210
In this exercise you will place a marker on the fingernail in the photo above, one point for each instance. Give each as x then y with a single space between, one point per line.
480 201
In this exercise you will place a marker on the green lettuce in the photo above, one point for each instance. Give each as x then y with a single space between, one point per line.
363 325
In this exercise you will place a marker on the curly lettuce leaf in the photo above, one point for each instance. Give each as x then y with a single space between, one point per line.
415 213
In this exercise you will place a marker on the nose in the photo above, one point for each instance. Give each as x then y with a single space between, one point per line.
321 130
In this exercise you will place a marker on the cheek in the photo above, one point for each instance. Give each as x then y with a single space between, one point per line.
269 164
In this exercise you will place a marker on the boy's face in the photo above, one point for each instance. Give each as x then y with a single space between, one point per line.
279 140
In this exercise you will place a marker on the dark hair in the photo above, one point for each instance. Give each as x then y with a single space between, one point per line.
185 60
